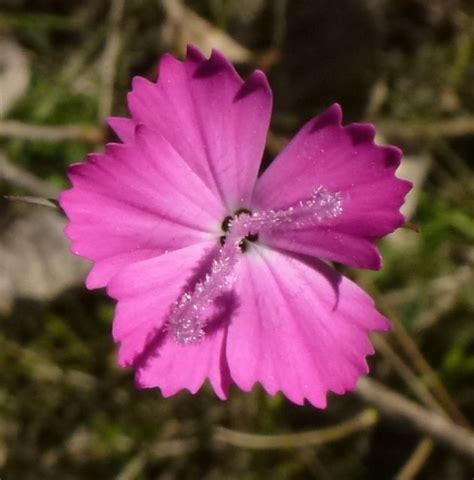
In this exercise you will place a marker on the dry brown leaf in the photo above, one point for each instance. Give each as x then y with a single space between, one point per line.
183 26
35 261
14 74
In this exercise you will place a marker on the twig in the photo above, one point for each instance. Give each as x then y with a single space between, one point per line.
363 421
110 57
377 98
439 287
279 23
439 306
405 372
43 202
158 450
51 133
134 467
173 448
77 60
420 363
23 179
414 227
43 370
179 447
431 377
455 127
406 131
395 405
185 26
40 21
416 460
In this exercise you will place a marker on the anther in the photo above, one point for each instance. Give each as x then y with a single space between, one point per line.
226 224
252 237
240 211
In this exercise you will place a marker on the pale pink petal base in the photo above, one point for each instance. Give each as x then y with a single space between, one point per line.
300 328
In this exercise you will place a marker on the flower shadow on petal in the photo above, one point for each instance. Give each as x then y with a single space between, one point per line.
225 306
157 335
158 351
151 348
219 317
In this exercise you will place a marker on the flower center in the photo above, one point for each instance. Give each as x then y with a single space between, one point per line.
226 224
187 319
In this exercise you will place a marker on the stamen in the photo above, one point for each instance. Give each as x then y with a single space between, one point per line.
322 205
187 319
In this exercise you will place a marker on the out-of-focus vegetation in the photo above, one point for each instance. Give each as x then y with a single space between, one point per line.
66 410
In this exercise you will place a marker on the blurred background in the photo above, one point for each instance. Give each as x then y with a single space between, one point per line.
66 410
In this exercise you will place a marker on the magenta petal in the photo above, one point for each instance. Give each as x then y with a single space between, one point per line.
176 367
145 292
136 201
300 327
123 127
339 159
106 268
214 120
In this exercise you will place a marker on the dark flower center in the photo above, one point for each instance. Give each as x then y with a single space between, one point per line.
225 226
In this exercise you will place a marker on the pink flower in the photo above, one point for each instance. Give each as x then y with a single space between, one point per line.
217 273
